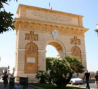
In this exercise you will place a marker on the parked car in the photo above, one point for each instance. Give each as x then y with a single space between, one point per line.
76 80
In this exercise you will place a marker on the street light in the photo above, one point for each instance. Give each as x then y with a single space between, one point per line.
96 30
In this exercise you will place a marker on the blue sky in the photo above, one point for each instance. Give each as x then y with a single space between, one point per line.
86 8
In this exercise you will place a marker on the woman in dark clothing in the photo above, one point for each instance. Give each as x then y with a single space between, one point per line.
5 80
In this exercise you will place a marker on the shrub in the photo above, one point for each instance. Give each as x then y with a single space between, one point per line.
42 76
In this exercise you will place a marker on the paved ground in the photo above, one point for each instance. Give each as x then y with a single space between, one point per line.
92 85
2 86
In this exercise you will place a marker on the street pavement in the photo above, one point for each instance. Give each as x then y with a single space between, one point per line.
92 85
2 86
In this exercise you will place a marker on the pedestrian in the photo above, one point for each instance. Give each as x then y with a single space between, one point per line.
96 79
5 80
87 77
12 75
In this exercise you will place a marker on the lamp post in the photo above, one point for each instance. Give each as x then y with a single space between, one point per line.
96 30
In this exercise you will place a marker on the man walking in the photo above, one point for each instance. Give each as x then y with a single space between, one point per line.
87 76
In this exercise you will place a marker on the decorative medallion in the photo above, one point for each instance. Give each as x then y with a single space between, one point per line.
30 49
55 34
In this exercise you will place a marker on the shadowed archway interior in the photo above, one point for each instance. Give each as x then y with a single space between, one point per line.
56 45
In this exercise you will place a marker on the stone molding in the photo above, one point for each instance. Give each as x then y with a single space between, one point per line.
41 27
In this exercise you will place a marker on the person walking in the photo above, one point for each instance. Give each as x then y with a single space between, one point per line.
5 80
87 77
96 79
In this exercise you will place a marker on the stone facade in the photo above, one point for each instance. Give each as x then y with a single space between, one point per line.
36 28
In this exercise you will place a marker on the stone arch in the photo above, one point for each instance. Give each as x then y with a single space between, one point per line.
31 58
59 47
76 52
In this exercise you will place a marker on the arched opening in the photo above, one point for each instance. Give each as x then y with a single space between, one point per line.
55 49
51 51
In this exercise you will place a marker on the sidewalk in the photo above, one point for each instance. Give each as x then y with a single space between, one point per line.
2 86
35 87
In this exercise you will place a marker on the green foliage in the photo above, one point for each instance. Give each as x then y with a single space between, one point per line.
60 71
42 76
75 64
6 19
49 62
2 2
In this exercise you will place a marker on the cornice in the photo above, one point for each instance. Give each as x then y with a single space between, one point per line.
53 25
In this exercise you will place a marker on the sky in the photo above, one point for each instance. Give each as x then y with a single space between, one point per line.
87 8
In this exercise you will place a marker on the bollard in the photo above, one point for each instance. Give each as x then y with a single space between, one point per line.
11 82
23 81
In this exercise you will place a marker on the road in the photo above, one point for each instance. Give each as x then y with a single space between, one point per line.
92 85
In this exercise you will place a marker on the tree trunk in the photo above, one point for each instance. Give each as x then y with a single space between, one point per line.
68 79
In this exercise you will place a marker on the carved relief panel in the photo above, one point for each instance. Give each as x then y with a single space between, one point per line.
76 52
75 41
31 58
31 36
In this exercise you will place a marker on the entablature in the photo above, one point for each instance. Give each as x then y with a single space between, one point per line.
46 27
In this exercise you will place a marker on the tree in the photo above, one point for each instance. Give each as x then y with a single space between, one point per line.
6 19
61 70
49 61
75 64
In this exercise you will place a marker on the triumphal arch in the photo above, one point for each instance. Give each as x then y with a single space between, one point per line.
38 27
